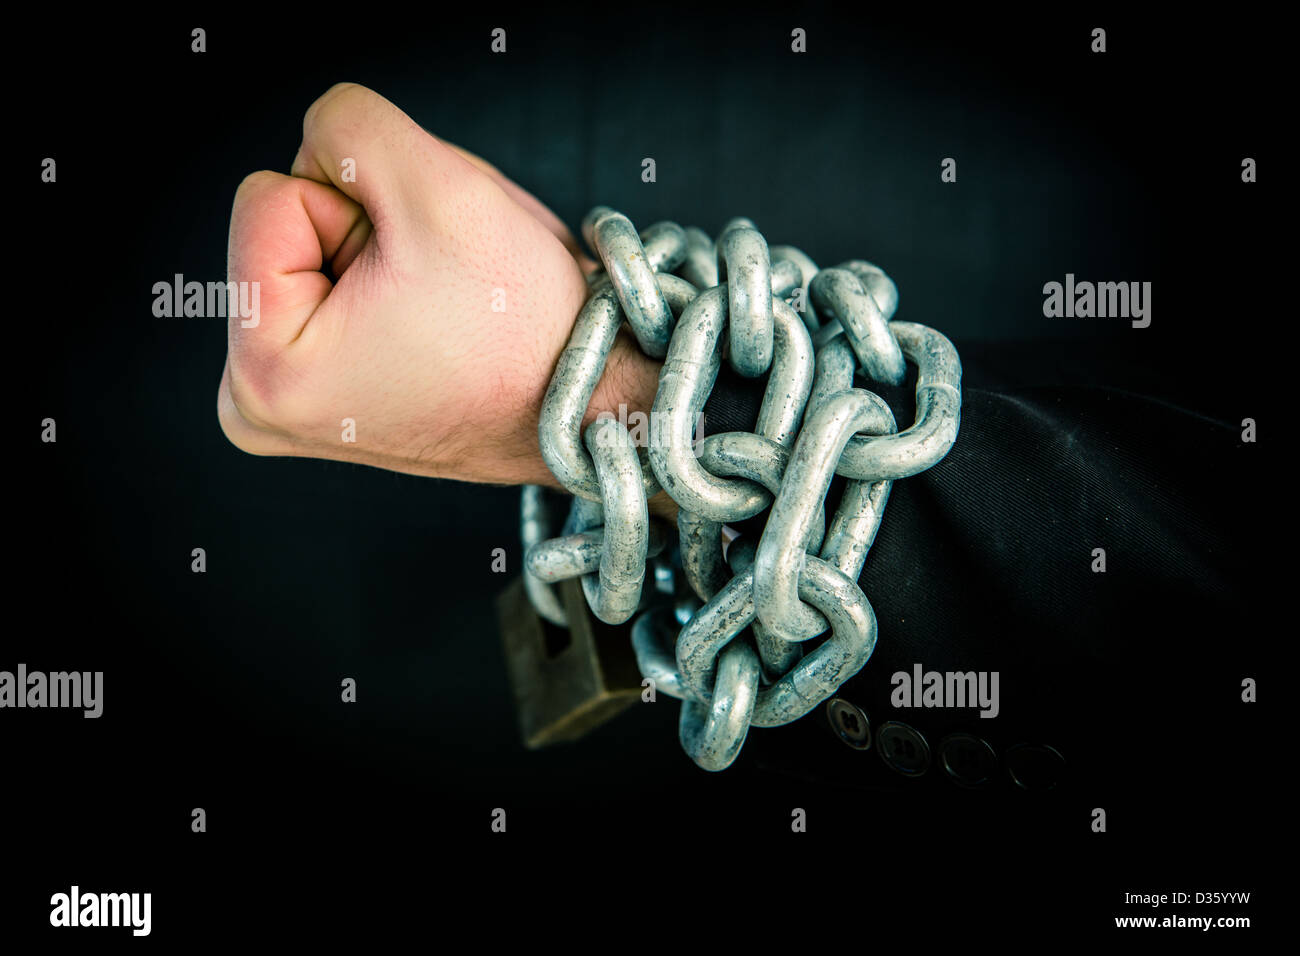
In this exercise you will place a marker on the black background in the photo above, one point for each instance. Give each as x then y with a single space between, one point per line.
222 689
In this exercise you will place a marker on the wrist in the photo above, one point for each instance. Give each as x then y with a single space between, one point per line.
628 384
626 389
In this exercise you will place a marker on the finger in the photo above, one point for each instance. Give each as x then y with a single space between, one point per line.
283 231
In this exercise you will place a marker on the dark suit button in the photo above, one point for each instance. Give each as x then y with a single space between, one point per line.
967 759
849 723
903 748
1035 766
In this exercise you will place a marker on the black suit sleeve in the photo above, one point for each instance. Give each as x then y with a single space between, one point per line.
989 562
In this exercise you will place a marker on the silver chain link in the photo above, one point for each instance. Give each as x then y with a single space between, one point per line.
736 658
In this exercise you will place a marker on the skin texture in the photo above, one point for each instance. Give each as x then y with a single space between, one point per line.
376 305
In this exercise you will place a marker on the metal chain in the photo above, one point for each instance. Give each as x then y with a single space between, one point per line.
736 657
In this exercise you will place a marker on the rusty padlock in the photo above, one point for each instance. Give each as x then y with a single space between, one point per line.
566 681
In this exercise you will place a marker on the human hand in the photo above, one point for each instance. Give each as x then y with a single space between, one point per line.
377 305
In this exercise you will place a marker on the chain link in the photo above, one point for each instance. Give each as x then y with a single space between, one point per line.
752 654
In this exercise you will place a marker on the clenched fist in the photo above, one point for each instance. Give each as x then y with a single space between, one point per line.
408 286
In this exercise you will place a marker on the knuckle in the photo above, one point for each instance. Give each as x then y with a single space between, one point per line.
240 433
235 424
339 100
267 396
260 196
258 183
250 400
